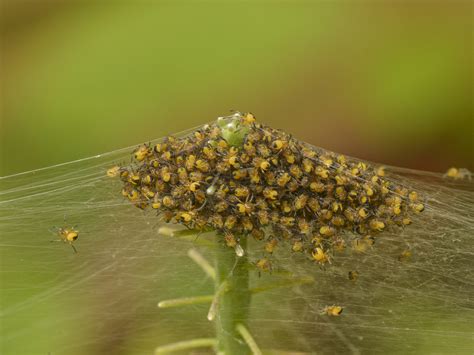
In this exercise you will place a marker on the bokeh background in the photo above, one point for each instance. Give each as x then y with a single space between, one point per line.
386 81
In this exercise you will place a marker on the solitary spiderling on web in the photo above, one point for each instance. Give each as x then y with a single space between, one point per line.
68 235
458 174
246 180
332 310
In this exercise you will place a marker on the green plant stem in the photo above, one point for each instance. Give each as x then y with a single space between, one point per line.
186 345
233 304
202 262
249 339
185 301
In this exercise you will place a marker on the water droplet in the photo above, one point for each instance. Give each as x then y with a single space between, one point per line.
239 251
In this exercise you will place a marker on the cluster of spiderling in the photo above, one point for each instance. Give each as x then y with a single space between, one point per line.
243 179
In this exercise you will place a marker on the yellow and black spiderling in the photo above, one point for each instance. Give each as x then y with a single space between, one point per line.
333 310
68 235
244 179
458 174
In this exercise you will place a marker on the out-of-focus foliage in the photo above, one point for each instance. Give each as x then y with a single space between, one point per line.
385 81
390 82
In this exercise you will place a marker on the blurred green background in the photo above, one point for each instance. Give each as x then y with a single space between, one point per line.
385 81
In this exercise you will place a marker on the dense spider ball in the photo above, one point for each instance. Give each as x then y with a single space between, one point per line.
242 178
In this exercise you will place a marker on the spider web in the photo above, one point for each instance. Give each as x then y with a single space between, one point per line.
103 300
